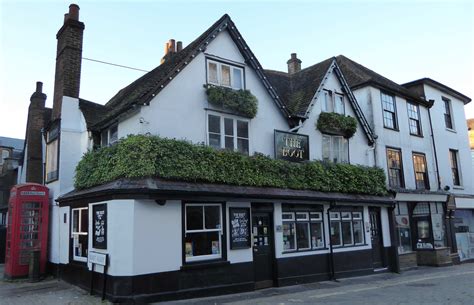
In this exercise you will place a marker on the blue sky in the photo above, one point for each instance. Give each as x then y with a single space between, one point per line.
402 40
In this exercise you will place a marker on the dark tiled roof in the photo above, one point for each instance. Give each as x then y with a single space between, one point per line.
92 112
297 90
431 82
357 76
16 144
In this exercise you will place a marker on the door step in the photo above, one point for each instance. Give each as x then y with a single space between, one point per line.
380 269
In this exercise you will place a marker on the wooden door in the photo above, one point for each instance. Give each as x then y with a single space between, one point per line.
262 232
376 237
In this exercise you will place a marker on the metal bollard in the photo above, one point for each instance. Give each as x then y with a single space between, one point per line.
34 270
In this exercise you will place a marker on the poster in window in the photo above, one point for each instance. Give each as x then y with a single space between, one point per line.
239 228
99 221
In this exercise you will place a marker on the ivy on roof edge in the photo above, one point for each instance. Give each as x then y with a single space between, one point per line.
139 156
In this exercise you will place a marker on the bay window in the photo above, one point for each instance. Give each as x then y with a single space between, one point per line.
347 228
79 234
302 229
228 133
225 75
203 231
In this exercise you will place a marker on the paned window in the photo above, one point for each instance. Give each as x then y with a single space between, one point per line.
394 167
302 230
421 173
225 75
389 111
228 133
347 228
335 149
109 136
448 120
79 235
52 147
453 156
402 220
333 102
203 231
414 119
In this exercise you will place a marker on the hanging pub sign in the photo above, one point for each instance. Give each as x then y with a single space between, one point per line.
99 220
291 146
239 228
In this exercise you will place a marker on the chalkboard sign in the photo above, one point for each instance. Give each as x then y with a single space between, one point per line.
239 228
99 226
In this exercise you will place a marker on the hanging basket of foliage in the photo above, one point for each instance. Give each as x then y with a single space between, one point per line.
337 124
240 102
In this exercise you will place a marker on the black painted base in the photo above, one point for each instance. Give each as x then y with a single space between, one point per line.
215 280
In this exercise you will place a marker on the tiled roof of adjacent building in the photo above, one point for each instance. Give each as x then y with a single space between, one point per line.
443 88
16 144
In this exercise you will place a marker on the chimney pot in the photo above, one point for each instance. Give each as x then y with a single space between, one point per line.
172 45
39 87
179 46
74 12
66 17
294 64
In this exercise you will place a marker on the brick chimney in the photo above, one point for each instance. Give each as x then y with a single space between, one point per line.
294 64
34 147
171 48
68 59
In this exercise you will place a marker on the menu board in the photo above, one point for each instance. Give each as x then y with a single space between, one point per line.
239 228
99 226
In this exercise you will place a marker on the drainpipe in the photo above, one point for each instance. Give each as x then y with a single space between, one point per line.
332 275
434 144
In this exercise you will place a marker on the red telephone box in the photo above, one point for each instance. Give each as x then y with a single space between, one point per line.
27 228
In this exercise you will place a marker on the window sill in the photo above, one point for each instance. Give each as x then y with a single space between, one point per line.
204 265
304 251
393 129
451 130
458 187
351 246
416 135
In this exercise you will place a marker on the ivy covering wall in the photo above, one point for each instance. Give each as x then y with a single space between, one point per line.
139 156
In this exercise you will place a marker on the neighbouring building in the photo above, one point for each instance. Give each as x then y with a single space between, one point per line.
10 155
179 237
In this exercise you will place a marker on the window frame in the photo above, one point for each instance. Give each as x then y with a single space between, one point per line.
222 134
330 102
393 113
222 256
336 217
107 136
309 221
426 179
232 67
342 152
448 113
79 232
52 135
455 153
401 171
416 109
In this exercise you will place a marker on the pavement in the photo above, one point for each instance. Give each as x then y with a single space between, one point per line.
427 285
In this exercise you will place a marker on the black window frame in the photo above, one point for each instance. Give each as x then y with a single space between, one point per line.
415 120
454 164
53 134
393 114
426 180
290 208
447 113
402 176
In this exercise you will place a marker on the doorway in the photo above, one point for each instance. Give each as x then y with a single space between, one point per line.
263 247
376 237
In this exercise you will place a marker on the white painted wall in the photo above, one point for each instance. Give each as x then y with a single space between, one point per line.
359 149
451 139
179 110
399 139
157 236
64 234
384 217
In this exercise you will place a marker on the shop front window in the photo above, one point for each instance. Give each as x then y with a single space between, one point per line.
79 234
347 228
302 230
203 231
402 219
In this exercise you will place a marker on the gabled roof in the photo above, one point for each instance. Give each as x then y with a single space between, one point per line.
358 76
144 89
443 88
297 90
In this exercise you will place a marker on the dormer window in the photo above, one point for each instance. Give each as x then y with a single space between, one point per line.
333 102
225 75
109 136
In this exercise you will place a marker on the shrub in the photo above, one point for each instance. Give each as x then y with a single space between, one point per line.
139 156
241 102
335 123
